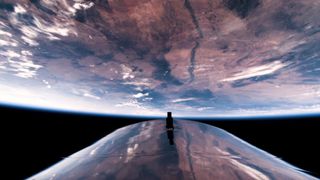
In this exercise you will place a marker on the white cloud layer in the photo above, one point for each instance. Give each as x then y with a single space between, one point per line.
256 71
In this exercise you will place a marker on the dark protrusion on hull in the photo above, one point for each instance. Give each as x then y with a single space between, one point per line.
169 121
170 128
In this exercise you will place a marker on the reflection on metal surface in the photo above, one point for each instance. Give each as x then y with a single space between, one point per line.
199 151
170 136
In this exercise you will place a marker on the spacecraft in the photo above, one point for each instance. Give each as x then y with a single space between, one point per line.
172 149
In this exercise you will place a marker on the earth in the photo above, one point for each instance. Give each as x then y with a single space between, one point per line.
198 151
196 58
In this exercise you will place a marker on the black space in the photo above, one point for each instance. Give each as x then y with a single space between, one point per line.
33 140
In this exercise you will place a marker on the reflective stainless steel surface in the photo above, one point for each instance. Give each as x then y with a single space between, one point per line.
199 151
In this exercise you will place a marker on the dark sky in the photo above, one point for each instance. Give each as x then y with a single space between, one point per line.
33 140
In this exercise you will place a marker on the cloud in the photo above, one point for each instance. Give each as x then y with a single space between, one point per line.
8 43
2 32
182 100
91 96
55 28
19 63
256 71
10 54
127 72
130 103
80 5
19 9
140 95
29 41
